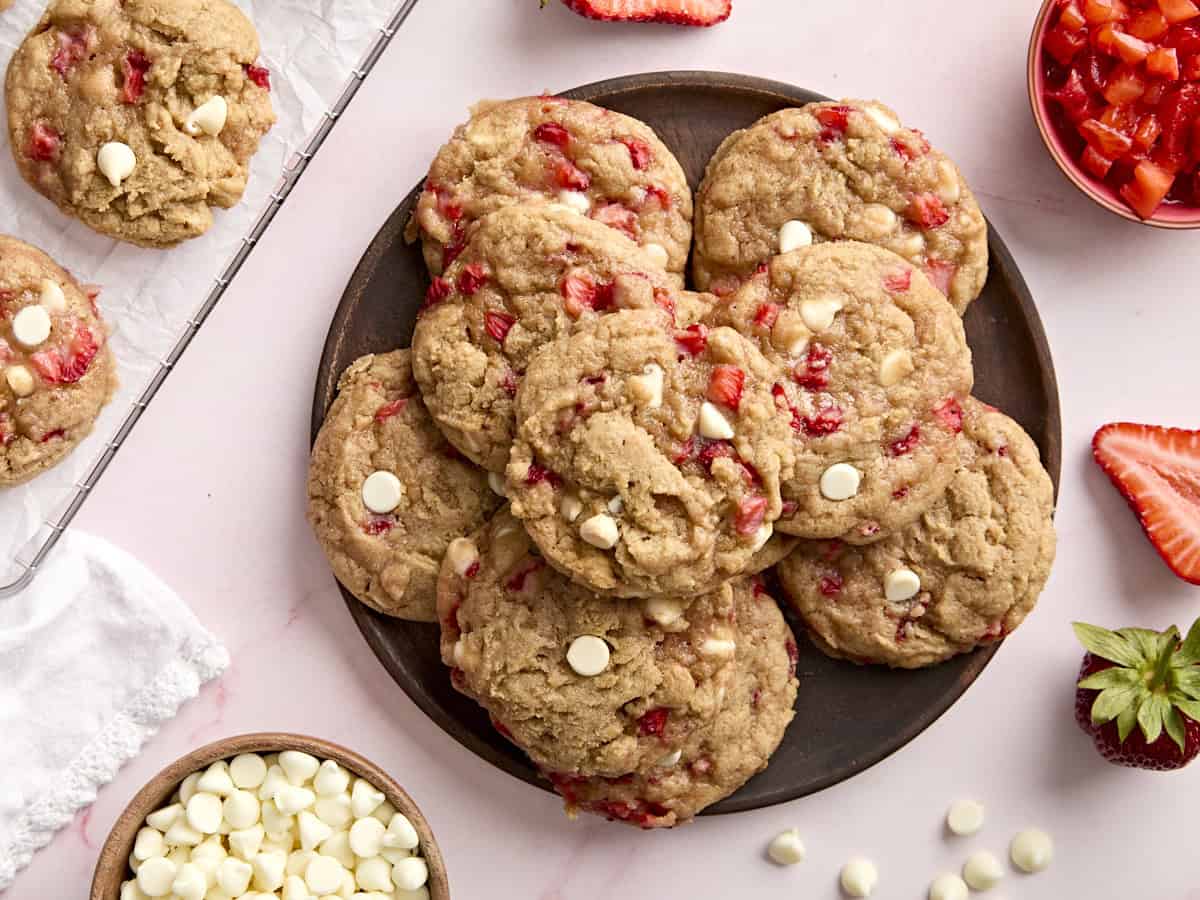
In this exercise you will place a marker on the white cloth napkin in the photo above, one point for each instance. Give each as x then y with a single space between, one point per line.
94 656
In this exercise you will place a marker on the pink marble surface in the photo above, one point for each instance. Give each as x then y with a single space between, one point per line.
209 491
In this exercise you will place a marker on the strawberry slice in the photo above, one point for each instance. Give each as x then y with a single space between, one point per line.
57 368
927 211
693 340
1157 470
725 386
701 13
498 325
581 293
750 514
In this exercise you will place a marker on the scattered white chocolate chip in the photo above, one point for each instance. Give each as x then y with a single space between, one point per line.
248 770
840 482
965 817
949 190
496 483
787 849
1031 850
382 492
52 297
789 333
241 809
900 585
883 119
462 554
819 314
216 780
149 842
204 813
657 253
190 882
793 235
646 389
948 886
272 782
334 810
188 787
31 326
670 760
718 648
410 874
374 875
616 505
400 833
245 843
20 380
181 834
366 837
269 870
663 610
713 424
910 244
162 819
233 876
332 778
878 219
982 871
207 118
588 655
338 846
156 875
116 162
364 798
570 507
575 201
323 874
291 798
896 366
600 531
859 877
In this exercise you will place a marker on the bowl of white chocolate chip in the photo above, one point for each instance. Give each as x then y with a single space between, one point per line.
263 816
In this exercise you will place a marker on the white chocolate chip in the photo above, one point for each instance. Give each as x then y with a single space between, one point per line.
859 877
323 875
713 424
149 842
31 326
332 778
269 871
216 780
155 876
948 886
600 531
718 648
52 297
575 201
896 366
663 610
787 849
657 253
116 162
272 782
382 492
190 882
294 887
646 389
291 798
374 875
241 809
588 655
164 818
248 770
246 842
793 235
187 787
461 554
840 482
819 314
965 817
366 837
982 871
204 813
881 118
616 505
496 483
20 380
233 876
910 245
401 833
334 811
761 536
670 760
790 334
949 190
570 507
274 821
410 874
1031 850
364 798
181 834
209 117
900 585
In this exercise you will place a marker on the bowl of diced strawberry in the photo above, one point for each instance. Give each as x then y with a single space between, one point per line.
1115 88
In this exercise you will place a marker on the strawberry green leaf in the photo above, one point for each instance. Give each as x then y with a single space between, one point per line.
1174 723
1150 717
1189 653
1148 644
1114 677
1112 700
1190 708
1187 682
1126 722
1106 644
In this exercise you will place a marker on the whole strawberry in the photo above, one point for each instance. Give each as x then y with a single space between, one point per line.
1139 695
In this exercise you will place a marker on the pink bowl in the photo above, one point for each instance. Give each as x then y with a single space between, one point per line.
1172 215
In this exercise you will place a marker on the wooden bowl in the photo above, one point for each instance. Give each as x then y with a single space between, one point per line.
112 868
1170 215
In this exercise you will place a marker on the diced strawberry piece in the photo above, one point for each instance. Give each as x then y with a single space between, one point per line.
813 371
454 249
1071 17
1178 10
73 46
1121 118
701 13
135 65
1131 50
941 272
1184 38
552 133
784 405
653 722
1148 189
765 315
447 207
471 279
259 75
825 421
537 474
664 301
659 195
1062 44
55 367
750 514
1107 141
1094 163
898 282
949 412
725 386
388 410
378 525
1100 11
640 153
570 176
1147 131
1155 92
1163 63
835 119
693 340
509 383
516 582
618 216
686 451
830 584
1104 38
439 290
581 293
498 325
927 211
1125 84
1176 114
903 446
472 570
44 143
712 451
55 435
1149 25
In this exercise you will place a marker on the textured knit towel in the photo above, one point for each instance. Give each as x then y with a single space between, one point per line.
94 656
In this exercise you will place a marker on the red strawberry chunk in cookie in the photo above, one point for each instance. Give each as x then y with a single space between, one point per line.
570 176
813 372
537 474
765 315
664 301
510 383
941 273
378 525
835 119
388 410
927 211
898 282
135 66
658 195
950 414
73 46
471 279
725 386
552 133
903 446
701 13
498 325
439 290
44 142
639 152
581 293
750 514
614 215
55 368
516 582
692 340
825 421
259 75
454 249
653 722
783 404
830 584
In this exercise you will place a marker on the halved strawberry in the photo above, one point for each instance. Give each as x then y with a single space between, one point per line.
750 514
927 211
498 325
725 386
701 13
1157 470
693 340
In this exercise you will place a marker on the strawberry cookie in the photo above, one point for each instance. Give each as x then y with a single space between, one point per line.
56 370
648 458
138 117
529 273
874 369
584 684
386 493
837 171
720 757
602 164
966 573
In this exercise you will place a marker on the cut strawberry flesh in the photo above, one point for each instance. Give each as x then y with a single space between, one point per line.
813 372
725 386
570 177
44 142
471 279
498 325
941 272
693 340
653 722
949 412
73 46
388 410
751 511
59 367
765 315
639 152
903 446
552 133
898 282
825 421
928 211
135 66
614 215
581 293
259 75
439 290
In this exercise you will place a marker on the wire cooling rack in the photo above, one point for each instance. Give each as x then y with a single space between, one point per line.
30 557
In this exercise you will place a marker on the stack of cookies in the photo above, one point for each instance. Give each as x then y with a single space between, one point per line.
660 449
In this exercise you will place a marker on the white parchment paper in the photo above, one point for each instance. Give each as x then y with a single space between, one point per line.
310 46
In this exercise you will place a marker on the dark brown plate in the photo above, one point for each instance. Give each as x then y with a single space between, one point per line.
848 718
